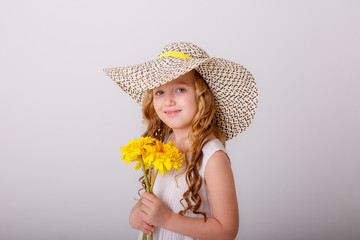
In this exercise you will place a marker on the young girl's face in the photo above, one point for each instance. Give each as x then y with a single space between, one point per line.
175 102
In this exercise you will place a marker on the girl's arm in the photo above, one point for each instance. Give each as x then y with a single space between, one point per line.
224 222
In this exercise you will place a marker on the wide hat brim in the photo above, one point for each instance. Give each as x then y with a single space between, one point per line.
231 84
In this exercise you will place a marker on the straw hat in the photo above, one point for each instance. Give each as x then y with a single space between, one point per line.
232 85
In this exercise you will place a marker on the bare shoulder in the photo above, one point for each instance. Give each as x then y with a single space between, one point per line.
219 156
218 164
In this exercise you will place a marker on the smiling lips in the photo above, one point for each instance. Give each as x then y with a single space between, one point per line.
172 113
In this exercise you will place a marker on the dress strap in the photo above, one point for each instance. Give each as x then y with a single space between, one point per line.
208 150
167 138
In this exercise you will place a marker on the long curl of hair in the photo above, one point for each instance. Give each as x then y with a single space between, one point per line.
204 128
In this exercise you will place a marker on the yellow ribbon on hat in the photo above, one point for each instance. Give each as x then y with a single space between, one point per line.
174 54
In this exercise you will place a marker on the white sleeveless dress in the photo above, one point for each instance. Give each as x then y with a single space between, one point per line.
170 192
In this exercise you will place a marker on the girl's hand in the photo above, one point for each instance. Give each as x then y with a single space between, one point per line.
154 211
136 222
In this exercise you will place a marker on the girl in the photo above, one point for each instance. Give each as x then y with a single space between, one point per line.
198 103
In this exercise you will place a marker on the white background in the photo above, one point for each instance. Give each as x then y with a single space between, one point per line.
63 120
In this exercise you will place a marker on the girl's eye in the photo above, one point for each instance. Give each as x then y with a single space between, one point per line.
158 93
180 90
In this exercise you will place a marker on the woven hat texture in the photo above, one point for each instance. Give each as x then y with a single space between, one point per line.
232 85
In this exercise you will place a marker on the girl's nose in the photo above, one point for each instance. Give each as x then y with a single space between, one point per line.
169 101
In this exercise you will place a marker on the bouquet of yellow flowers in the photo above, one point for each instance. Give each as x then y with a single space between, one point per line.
153 155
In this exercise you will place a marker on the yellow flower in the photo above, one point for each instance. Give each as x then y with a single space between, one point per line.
136 148
154 153
166 156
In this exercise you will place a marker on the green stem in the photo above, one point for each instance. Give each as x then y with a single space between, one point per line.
145 176
153 181
149 176
148 188
145 236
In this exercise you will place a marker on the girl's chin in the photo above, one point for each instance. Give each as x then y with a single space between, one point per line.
177 124
175 127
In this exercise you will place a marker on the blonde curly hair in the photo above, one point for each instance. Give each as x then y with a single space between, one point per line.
204 128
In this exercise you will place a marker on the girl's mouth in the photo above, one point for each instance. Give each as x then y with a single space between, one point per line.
172 113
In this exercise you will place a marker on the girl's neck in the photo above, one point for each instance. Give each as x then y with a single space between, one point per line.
181 140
